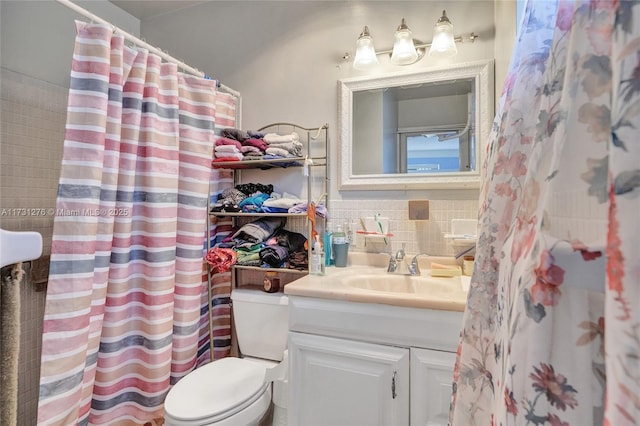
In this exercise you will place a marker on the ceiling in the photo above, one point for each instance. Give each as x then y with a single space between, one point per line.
145 9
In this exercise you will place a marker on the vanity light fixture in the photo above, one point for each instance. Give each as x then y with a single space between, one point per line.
365 51
443 44
407 50
404 51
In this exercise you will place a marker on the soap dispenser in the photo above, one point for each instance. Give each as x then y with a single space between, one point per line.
316 264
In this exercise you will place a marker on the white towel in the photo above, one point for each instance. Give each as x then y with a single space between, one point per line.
234 155
227 148
276 138
286 201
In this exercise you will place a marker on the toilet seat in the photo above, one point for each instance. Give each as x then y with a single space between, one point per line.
216 392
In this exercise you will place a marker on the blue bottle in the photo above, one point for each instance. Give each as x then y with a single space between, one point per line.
326 244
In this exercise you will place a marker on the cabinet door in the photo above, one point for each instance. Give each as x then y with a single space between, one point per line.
431 381
343 382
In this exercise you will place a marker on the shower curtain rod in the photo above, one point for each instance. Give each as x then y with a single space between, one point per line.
146 45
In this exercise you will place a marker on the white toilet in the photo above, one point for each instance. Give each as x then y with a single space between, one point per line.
237 391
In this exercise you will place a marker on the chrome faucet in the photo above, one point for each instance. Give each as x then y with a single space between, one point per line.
414 268
398 264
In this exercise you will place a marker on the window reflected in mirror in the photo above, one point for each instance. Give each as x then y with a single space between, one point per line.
414 129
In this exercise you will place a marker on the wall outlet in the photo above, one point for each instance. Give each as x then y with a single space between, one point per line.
418 209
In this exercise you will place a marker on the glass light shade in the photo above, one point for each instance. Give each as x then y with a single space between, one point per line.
443 43
404 51
365 52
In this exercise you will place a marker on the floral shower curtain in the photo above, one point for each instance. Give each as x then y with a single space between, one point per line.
558 261
123 302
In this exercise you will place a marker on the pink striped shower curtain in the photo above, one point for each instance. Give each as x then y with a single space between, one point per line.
123 305
219 228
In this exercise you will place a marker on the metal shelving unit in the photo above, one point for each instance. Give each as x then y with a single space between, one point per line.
315 142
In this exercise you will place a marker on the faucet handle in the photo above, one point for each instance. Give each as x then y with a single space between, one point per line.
392 264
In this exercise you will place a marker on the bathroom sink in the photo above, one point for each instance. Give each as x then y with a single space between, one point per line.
436 287
369 282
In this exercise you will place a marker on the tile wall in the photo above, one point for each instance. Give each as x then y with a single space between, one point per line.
33 114
419 236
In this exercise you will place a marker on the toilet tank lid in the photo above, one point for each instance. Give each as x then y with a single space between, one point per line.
257 296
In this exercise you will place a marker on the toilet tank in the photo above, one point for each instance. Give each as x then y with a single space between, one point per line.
262 323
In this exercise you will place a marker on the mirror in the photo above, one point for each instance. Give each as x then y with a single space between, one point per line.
415 131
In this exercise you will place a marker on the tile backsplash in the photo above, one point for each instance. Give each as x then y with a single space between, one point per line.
419 236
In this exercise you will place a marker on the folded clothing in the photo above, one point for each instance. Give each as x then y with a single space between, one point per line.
252 188
259 230
236 134
228 156
246 149
226 141
258 143
293 241
274 255
226 148
293 148
253 203
276 138
221 259
284 201
298 260
279 152
255 134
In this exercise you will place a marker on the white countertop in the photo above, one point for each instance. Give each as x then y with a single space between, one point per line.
365 280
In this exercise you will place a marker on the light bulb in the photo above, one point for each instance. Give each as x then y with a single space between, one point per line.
443 43
404 51
365 51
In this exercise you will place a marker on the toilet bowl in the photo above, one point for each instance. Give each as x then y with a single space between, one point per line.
231 391
238 391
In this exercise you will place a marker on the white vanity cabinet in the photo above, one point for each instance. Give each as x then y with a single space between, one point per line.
345 382
431 380
369 364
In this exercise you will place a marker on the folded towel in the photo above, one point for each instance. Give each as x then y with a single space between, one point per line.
258 143
236 134
245 149
226 141
294 148
255 134
278 151
228 156
285 201
227 148
252 156
276 138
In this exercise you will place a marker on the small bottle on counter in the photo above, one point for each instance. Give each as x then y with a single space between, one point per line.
339 247
316 264
271 282
328 257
